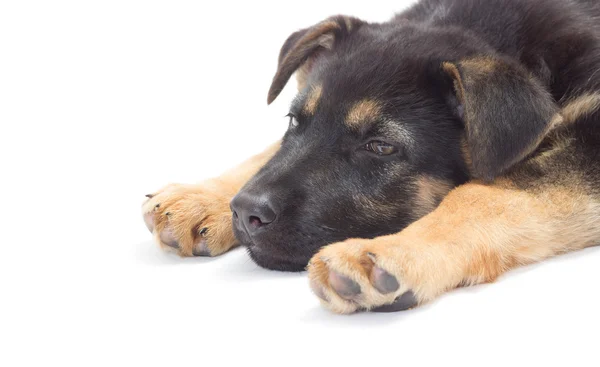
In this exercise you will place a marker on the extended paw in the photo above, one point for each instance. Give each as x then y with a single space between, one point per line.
359 275
192 220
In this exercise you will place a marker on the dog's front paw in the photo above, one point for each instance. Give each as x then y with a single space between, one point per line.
360 275
192 220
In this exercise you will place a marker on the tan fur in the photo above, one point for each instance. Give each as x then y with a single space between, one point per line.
580 107
452 70
556 121
349 23
182 211
477 233
430 192
483 65
325 41
466 153
302 77
312 101
362 112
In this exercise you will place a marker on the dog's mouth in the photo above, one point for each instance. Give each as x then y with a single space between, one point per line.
275 261
274 256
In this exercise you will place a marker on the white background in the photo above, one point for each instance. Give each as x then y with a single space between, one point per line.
102 102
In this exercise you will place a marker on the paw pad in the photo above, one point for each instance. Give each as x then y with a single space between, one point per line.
168 238
343 286
383 281
201 249
149 221
347 278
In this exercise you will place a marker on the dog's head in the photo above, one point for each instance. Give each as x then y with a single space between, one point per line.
388 119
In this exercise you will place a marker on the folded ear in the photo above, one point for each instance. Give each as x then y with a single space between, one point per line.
506 112
301 49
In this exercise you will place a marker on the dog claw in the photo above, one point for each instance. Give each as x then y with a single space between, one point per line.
372 256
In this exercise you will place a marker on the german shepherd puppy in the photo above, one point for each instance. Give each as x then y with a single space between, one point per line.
457 141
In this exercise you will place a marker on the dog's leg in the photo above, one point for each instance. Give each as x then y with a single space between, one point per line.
195 220
477 233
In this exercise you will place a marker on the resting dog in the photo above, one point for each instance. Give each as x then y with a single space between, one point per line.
455 142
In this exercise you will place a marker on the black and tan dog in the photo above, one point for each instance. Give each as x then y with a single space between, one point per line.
457 141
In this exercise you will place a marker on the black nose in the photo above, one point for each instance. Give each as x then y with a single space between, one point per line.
252 212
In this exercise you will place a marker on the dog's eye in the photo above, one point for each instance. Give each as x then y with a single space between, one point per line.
380 148
293 120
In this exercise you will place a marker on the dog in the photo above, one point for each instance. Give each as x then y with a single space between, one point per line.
455 142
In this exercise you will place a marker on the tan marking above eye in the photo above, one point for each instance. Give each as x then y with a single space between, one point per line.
362 112
312 101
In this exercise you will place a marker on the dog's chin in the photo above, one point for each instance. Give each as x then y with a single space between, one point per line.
268 260
271 258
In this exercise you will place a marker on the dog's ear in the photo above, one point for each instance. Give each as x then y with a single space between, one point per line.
505 110
302 48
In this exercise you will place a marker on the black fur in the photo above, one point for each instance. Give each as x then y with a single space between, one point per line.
322 184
